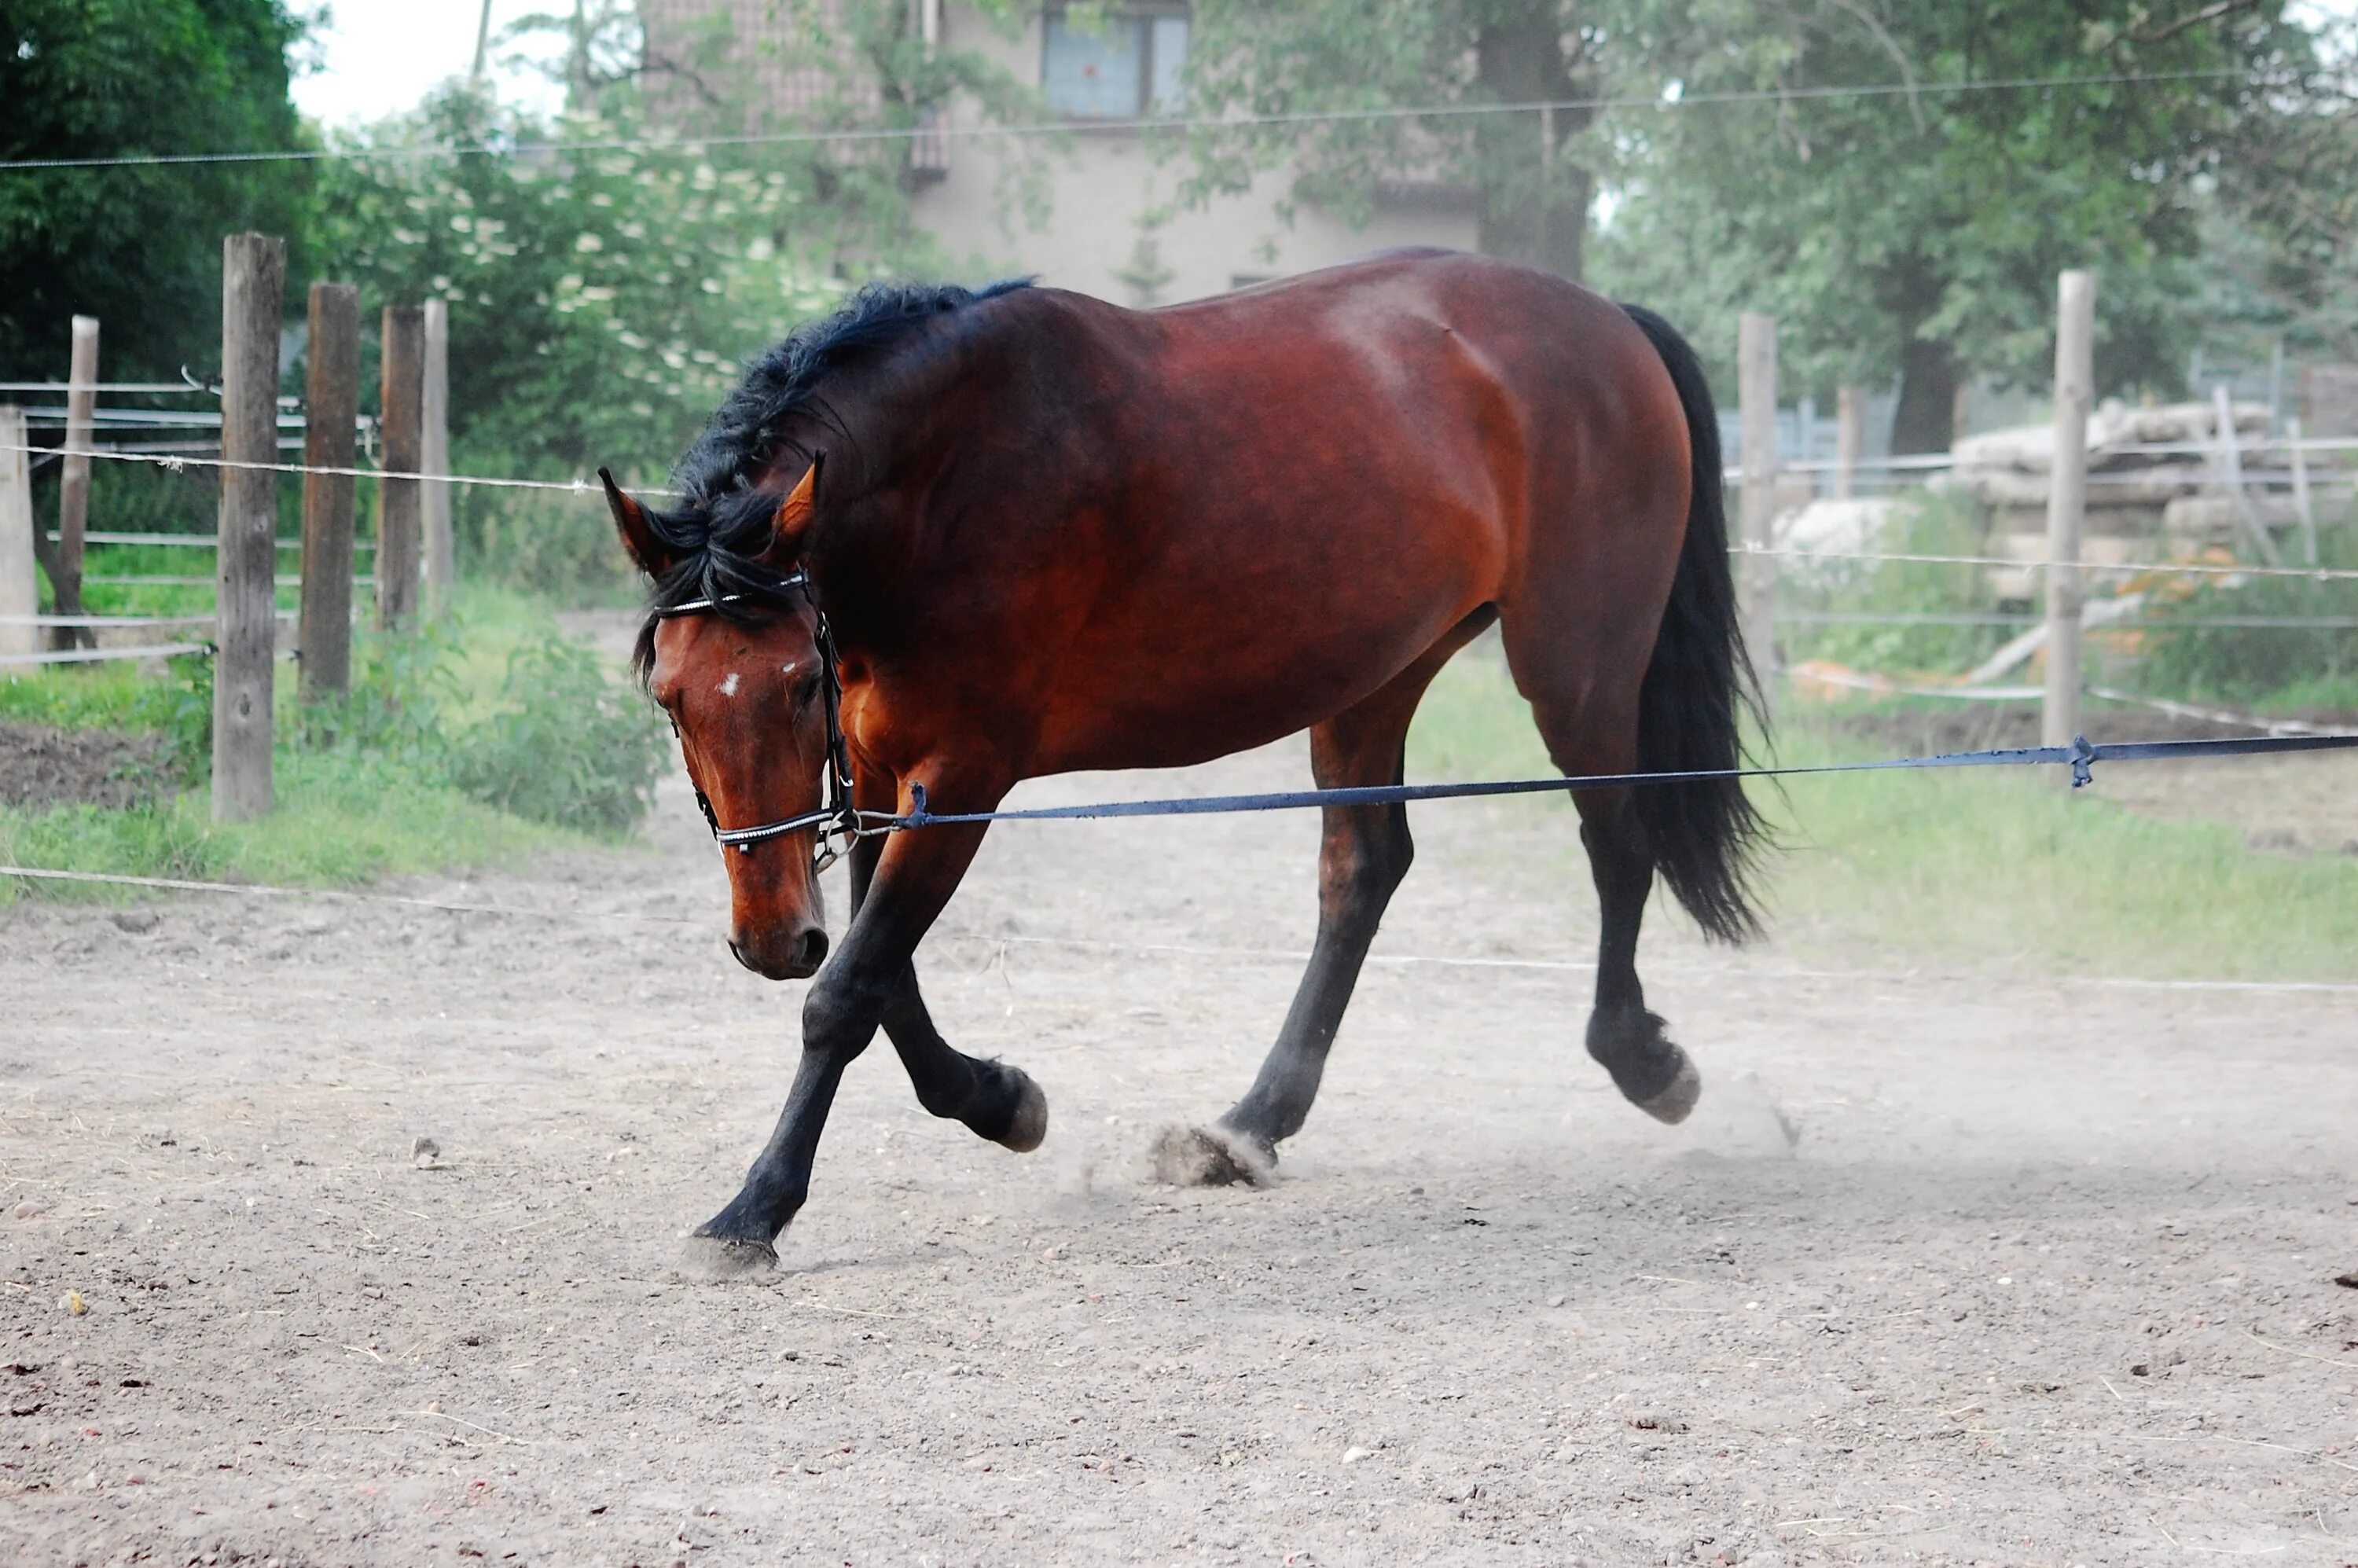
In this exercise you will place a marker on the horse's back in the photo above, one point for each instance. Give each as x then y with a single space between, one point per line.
1297 489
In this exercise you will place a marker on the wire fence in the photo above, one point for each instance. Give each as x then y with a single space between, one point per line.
1911 90
588 487
2216 571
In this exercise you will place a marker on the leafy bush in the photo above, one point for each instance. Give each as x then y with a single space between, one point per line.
556 545
491 701
400 688
560 739
2255 663
1929 523
568 744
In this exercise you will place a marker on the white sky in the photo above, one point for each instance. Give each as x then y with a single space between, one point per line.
382 56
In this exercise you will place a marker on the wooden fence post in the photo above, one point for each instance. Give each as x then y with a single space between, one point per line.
253 299
73 481
2229 459
1756 403
2067 501
1850 438
332 406
2302 506
20 584
434 453
399 521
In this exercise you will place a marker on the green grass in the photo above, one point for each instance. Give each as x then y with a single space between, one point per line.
488 710
1994 869
341 821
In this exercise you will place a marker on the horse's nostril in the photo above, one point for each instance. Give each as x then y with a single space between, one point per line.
811 950
737 952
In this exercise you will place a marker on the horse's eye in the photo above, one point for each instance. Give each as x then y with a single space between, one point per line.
805 689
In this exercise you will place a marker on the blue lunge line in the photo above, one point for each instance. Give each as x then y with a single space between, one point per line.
2081 755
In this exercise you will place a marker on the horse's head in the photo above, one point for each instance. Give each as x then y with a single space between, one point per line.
744 684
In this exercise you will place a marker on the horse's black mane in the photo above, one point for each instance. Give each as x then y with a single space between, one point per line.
722 521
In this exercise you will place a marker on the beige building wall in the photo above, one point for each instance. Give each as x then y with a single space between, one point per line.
1101 188
1100 184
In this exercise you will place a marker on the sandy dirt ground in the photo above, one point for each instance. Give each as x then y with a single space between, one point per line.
1946 1270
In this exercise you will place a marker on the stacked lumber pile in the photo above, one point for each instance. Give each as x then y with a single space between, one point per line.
2142 505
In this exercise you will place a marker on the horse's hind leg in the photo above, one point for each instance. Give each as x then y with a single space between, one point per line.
1363 855
1592 730
1651 1072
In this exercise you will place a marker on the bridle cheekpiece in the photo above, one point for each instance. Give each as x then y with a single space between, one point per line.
839 819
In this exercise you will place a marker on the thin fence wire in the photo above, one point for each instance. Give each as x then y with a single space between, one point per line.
104 655
584 487
1131 128
175 462
2117 568
189 541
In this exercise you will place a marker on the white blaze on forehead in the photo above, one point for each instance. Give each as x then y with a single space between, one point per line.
728 684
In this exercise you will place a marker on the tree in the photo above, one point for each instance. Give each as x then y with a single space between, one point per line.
1918 233
2284 228
138 247
608 274
1533 172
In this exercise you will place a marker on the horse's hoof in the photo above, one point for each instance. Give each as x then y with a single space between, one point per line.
1648 1067
712 1256
1675 1103
1211 1157
1029 1126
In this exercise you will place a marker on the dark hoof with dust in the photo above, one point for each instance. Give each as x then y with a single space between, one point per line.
1674 1104
1029 1126
1211 1157
712 1256
1651 1072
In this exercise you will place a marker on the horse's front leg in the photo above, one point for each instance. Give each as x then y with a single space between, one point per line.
993 1099
916 875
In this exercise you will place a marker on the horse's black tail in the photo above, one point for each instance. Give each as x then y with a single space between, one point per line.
1690 709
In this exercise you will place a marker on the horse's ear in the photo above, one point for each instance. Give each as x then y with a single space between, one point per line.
646 548
794 519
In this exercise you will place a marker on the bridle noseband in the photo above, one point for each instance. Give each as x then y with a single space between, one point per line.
840 818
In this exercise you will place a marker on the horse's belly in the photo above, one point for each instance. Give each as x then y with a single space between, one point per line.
1150 705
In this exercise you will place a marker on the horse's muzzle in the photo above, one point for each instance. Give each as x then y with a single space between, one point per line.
796 956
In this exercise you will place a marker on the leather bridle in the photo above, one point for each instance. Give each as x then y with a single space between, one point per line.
840 818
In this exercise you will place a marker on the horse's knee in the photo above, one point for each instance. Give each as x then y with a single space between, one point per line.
841 1011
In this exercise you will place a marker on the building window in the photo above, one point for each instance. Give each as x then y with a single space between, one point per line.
1126 69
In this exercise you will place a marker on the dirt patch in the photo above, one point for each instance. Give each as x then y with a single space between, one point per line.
1947 1270
41 766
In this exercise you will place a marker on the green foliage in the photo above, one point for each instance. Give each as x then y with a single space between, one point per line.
608 274
2275 665
557 735
1345 56
1924 524
568 743
2283 234
1919 232
486 735
342 819
603 297
138 248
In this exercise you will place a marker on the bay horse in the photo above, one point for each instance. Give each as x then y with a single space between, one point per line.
1047 534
